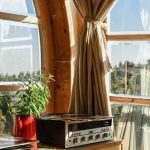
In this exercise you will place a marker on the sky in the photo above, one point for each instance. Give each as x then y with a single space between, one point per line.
19 42
17 6
130 17
19 48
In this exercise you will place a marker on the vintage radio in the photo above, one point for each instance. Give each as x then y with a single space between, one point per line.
69 130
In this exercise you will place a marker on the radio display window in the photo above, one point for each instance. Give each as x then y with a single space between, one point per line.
89 125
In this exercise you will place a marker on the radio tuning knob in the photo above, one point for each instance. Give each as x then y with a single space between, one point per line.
75 140
83 139
105 135
97 136
90 137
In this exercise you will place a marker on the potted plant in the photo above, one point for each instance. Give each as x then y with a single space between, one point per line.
33 99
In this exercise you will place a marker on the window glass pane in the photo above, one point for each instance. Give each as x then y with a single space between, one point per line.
20 56
11 31
23 7
131 68
130 16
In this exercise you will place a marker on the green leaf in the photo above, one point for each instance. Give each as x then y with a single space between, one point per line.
34 98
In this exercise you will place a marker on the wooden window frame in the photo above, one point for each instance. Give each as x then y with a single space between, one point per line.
19 18
128 37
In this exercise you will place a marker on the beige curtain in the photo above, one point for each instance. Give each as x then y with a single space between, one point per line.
132 125
89 94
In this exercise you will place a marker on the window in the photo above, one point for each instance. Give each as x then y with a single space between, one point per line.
20 53
20 50
129 43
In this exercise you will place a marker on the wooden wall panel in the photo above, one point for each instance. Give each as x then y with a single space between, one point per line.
60 30
62 54
62 89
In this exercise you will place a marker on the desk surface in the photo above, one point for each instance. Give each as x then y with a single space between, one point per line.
7 141
95 146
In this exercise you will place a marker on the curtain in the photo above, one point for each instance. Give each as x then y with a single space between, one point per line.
145 48
89 94
145 80
132 124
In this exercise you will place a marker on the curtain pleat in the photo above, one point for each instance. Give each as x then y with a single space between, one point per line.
89 95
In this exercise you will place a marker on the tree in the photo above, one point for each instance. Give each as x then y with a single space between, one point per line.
129 71
148 61
21 76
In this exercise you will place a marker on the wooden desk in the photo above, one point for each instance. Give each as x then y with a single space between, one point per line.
109 145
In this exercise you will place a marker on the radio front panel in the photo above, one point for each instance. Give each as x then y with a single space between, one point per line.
82 137
70 130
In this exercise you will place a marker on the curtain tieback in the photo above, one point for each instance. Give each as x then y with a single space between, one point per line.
95 22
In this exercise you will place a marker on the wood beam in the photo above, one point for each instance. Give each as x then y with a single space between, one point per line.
62 54
47 46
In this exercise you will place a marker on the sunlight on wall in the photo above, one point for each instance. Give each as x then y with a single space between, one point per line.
70 9
73 29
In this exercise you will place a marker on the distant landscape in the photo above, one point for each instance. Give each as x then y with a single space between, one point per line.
22 76
126 78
